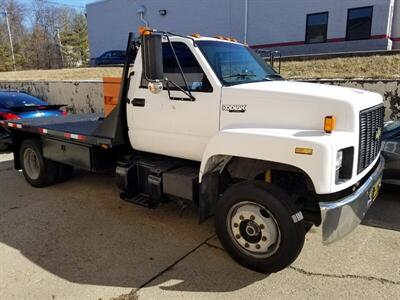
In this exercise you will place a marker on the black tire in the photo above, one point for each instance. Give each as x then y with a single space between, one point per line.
47 170
276 203
65 172
3 147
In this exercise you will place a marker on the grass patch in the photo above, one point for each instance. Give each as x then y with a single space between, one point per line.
62 74
383 67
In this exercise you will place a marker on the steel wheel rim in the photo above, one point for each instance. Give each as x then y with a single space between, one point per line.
253 229
31 164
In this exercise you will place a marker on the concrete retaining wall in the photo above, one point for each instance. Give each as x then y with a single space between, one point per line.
87 96
80 96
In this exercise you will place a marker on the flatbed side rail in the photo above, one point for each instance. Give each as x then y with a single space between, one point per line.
92 140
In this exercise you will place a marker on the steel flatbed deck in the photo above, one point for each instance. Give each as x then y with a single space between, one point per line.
78 127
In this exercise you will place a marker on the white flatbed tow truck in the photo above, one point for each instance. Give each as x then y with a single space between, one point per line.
205 121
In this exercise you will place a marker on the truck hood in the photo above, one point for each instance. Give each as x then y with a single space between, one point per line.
293 105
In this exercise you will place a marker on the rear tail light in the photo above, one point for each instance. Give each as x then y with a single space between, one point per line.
64 110
9 116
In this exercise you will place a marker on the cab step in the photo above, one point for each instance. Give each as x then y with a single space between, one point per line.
140 199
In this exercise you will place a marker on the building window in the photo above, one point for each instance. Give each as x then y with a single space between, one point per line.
317 28
359 22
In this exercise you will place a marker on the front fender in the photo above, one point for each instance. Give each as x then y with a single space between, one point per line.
275 145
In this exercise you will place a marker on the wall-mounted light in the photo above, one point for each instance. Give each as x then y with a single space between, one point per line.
162 12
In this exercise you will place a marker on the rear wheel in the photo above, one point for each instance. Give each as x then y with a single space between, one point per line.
37 170
65 172
259 226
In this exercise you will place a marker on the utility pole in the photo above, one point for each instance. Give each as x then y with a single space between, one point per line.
10 37
246 20
60 46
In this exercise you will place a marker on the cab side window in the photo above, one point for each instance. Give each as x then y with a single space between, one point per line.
196 79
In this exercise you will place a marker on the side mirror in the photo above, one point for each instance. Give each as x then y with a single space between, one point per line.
152 57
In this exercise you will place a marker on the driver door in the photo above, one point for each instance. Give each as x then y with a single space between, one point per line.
170 123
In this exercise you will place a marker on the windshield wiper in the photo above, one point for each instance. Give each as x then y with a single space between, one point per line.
271 76
243 75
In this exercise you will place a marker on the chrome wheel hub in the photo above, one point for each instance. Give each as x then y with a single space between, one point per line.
253 229
31 164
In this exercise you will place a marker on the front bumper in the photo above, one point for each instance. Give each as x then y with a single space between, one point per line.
341 217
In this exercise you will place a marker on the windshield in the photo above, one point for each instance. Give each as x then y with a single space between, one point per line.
236 64
9 100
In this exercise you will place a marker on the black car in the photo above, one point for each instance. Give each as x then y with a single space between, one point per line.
391 152
113 57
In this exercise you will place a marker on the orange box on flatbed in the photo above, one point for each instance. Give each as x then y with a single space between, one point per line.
111 88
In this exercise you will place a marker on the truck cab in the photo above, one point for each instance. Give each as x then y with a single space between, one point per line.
206 121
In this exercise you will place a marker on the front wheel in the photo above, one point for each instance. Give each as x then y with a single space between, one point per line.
259 226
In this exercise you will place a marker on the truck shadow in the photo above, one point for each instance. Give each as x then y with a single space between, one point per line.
385 212
82 232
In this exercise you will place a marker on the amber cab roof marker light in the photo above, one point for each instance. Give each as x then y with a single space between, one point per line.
196 35
225 38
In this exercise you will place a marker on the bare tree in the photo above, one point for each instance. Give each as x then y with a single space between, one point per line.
45 36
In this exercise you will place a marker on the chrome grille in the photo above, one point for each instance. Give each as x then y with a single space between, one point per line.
371 126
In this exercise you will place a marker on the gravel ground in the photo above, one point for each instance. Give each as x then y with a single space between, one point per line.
78 240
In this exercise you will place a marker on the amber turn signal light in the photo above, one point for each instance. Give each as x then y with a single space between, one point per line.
329 124
143 30
305 151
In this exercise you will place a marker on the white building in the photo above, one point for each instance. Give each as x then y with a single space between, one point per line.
291 26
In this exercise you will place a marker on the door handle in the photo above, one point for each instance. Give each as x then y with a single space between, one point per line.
138 102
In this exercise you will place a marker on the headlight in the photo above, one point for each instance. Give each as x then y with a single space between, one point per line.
344 164
339 159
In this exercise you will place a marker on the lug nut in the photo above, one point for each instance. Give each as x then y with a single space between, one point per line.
236 225
238 236
258 246
241 217
252 217
247 245
264 238
262 226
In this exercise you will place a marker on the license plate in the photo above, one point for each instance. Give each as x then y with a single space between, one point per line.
375 190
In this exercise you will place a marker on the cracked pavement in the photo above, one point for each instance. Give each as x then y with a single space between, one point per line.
78 240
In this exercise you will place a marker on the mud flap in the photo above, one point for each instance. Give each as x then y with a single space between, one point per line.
209 190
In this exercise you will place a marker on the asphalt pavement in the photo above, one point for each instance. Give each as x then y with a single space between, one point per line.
78 240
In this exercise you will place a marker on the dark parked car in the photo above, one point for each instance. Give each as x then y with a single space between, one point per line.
391 152
20 105
113 57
